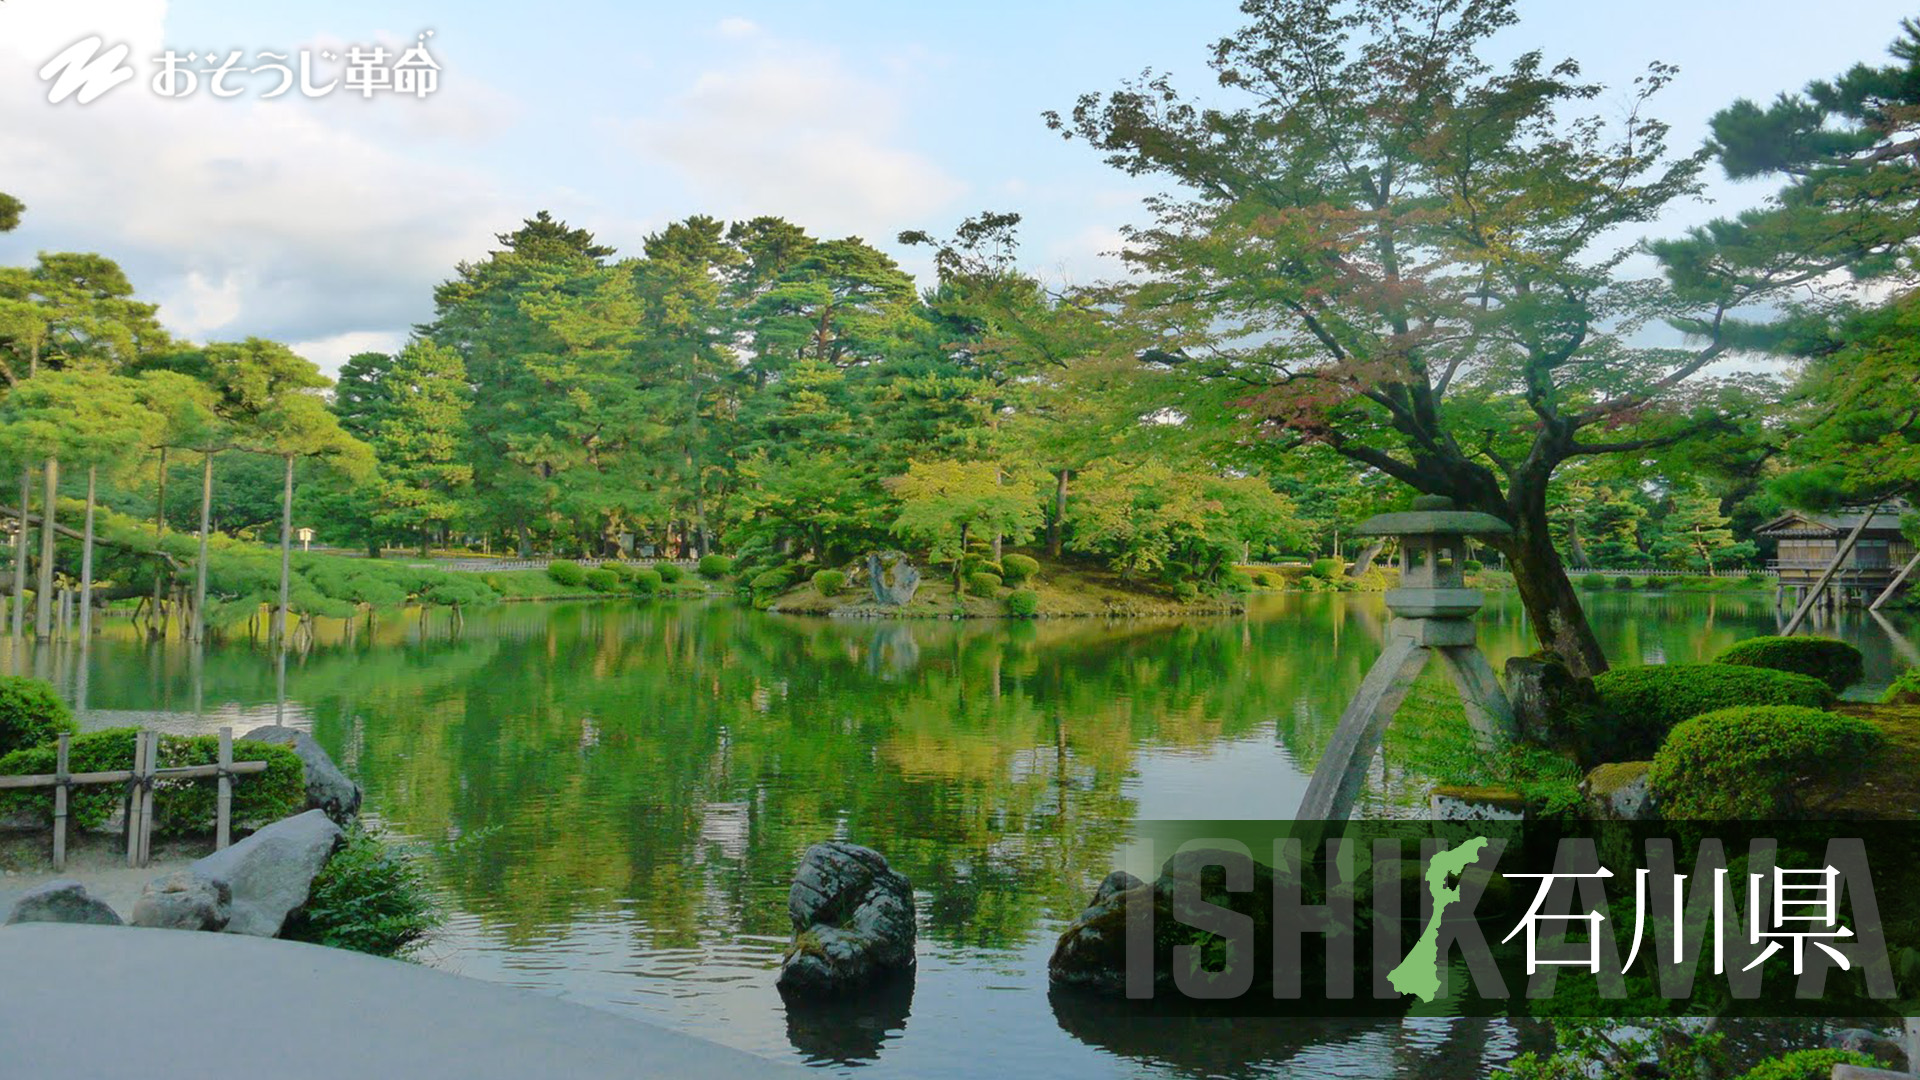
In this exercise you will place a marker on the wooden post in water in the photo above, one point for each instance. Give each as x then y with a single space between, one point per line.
60 802
1894 585
223 819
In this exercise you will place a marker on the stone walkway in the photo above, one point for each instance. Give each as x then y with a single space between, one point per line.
105 1003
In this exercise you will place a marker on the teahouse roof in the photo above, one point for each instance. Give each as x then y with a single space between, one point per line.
1799 525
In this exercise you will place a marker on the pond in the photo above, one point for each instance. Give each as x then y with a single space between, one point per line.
615 795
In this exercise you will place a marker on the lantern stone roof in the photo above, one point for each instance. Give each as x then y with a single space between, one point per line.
1433 515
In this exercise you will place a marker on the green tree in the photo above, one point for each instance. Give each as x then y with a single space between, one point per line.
421 440
1694 533
547 331
1398 250
944 504
85 417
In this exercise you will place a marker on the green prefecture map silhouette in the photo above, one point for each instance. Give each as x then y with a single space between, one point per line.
1419 973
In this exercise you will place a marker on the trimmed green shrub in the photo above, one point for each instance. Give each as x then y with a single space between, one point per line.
1326 569
602 580
670 572
646 582
1593 581
771 581
30 713
1185 590
1742 763
983 583
714 567
371 897
1023 603
566 572
1835 663
1905 689
1473 566
829 582
1639 705
1172 571
1236 581
1623 581
623 571
1020 569
180 806
1807 1065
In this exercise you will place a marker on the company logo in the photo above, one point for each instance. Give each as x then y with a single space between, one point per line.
87 69
83 69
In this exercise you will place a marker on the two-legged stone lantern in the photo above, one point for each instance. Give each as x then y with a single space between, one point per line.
1433 611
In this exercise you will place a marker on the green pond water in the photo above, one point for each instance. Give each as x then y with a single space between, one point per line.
614 796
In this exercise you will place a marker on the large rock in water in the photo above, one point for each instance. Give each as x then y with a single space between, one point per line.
893 577
327 787
183 900
1092 953
853 922
269 875
62 902
1886 1051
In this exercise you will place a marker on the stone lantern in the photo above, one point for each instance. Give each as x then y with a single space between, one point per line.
1433 615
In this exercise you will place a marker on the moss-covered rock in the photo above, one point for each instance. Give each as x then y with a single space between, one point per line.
1619 791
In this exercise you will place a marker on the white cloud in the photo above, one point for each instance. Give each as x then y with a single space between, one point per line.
734 26
789 129
331 352
294 219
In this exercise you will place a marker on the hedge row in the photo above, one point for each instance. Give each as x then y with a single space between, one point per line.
1640 705
1747 762
1835 663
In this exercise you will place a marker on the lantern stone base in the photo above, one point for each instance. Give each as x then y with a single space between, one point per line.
1342 772
1435 632
1434 603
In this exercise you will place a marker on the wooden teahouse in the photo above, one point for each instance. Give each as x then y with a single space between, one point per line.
1808 542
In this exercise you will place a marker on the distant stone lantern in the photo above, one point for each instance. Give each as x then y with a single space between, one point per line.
1433 614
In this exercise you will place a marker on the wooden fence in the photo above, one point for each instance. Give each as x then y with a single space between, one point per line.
139 781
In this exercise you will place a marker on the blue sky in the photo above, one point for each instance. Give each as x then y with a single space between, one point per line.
326 222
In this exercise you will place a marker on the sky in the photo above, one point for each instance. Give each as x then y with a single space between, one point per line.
325 222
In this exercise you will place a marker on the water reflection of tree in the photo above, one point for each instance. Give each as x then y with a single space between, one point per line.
672 761
675 762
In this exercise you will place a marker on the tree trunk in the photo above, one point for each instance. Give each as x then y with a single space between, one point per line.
286 556
525 541
1553 607
198 630
1363 562
43 598
86 562
1056 525
20 541
999 546
1576 551
159 533
426 543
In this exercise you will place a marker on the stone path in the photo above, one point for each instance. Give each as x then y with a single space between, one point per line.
106 1003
